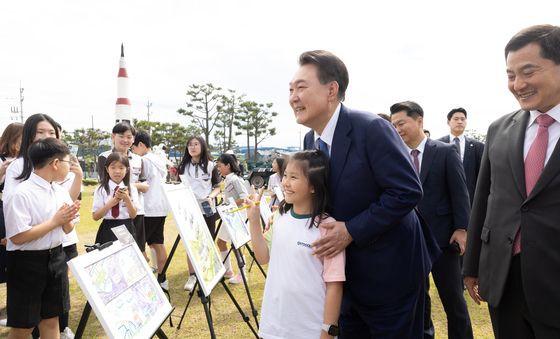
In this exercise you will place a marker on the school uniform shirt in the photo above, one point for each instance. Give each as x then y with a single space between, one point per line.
100 198
155 171
2 179
202 183
72 237
12 172
33 202
295 288
135 163
234 187
274 181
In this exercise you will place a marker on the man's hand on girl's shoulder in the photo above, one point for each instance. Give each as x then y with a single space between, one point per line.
336 240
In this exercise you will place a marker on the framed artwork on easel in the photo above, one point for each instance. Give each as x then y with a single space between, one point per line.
196 237
122 291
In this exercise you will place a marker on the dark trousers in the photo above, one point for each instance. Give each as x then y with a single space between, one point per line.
511 319
400 319
446 271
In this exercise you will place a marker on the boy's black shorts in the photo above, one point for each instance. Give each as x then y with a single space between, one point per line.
37 286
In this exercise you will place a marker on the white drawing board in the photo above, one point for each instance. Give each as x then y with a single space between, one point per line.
279 194
265 210
122 291
197 239
235 225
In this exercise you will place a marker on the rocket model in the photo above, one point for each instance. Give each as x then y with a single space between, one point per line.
122 109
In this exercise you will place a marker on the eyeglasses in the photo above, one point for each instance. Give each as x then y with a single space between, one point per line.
68 161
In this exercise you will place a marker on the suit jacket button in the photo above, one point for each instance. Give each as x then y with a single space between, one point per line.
510 240
524 208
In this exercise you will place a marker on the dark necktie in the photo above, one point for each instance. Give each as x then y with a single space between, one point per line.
196 165
115 209
534 164
322 146
415 160
457 145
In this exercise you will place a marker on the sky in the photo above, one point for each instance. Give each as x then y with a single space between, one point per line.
441 54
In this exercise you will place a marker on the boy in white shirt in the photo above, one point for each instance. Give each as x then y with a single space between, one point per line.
38 214
155 205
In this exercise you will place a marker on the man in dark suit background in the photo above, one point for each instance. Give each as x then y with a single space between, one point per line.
513 250
470 149
373 192
445 207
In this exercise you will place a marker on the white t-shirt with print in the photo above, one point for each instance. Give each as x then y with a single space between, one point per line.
295 289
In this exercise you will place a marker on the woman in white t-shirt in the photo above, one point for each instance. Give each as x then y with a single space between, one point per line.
303 293
204 179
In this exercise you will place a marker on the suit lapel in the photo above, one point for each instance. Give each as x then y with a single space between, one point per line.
516 134
551 169
427 159
468 157
308 142
340 145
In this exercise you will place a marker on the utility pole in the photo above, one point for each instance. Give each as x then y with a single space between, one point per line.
21 101
148 105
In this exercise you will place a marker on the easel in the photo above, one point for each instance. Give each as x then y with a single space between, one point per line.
247 247
205 301
87 307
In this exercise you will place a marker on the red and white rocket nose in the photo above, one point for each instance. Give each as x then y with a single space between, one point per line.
122 109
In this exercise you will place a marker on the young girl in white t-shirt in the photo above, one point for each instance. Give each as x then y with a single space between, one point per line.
115 200
234 187
303 293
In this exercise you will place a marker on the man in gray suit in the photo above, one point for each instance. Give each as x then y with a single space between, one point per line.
513 248
469 149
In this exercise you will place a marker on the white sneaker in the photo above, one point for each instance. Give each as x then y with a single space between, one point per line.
237 279
189 285
67 334
4 322
165 285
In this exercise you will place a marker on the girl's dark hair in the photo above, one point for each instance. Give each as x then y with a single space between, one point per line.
10 141
43 151
28 135
315 166
281 166
123 159
204 155
229 159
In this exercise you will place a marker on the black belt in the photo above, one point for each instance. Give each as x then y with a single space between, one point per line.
54 250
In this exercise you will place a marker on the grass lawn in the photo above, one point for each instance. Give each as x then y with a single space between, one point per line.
227 320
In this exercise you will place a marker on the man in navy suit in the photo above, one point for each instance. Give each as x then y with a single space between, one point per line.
373 192
470 149
445 207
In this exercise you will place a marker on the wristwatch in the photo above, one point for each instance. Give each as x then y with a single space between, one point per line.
330 329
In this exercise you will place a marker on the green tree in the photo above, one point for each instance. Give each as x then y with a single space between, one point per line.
254 119
476 135
202 107
173 135
90 143
228 109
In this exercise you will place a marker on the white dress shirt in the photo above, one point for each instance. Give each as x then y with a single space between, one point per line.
461 142
533 128
12 172
34 202
100 198
328 132
420 149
